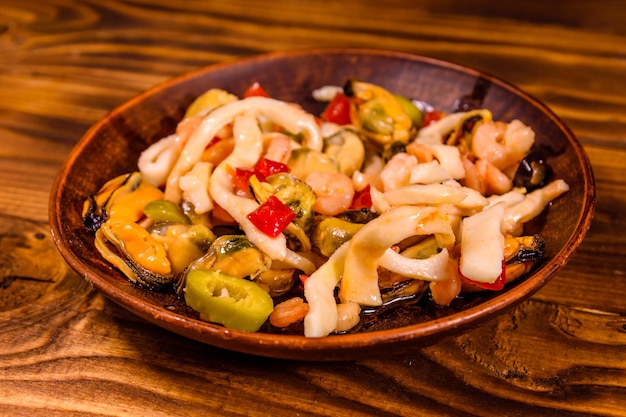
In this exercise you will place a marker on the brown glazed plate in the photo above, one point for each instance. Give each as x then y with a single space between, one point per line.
111 147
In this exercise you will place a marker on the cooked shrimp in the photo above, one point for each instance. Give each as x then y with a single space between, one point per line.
472 178
421 151
218 150
494 180
348 315
334 192
288 312
444 291
502 144
397 172
278 146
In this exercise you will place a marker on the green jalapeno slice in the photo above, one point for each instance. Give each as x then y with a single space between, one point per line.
233 302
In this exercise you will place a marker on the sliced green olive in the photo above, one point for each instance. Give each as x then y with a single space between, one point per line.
233 302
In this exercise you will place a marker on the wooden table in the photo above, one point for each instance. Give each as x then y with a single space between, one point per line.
65 350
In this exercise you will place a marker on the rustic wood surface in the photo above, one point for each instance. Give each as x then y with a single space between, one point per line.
65 350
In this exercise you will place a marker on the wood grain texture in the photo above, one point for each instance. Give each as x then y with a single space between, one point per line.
67 351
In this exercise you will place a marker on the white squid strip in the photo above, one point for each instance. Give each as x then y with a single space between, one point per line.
360 277
532 205
433 268
326 92
248 149
429 173
482 245
450 159
195 187
433 133
474 200
319 291
511 198
291 117
425 194
379 203
156 162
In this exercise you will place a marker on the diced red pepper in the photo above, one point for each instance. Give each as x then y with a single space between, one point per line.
272 217
255 90
362 199
497 285
431 117
303 277
240 181
266 167
338 110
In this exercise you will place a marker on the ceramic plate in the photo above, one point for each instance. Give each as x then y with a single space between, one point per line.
112 146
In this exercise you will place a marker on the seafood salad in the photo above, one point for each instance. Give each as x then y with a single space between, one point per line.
259 214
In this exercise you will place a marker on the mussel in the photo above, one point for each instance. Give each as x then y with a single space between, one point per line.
295 194
303 161
124 196
151 256
533 171
461 134
134 251
331 232
208 101
396 290
524 249
379 114
346 148
183 243
277 281
521 254
234 255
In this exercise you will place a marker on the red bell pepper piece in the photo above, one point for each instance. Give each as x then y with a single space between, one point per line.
338 110
362 199
266 167
272 217
255 90
240 181
303 278
497 285
431 117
